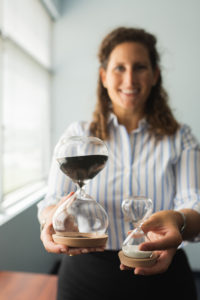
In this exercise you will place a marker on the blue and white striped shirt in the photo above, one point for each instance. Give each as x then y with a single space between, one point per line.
166 170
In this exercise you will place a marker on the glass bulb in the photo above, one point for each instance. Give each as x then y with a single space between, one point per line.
131 245
136 210
80 215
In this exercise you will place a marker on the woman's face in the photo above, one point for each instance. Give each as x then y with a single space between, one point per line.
129 78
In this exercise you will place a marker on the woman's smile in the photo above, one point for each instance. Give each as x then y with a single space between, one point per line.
129 93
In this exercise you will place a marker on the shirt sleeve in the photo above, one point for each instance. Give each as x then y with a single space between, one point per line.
59 184
187 171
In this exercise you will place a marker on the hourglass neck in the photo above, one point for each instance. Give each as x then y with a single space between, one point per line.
137 231
81 191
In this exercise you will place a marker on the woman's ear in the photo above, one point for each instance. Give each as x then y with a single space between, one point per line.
102 73
156 76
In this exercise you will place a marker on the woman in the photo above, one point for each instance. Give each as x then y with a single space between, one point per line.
150 154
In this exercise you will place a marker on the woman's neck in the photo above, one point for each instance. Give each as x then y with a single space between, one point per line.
129 120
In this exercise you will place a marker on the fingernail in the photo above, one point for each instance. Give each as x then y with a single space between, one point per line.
143 248
63 250
85 251
139 273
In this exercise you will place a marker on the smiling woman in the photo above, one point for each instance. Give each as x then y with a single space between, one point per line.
135 66
151 155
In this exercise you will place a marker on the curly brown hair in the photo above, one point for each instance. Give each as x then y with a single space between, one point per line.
157 111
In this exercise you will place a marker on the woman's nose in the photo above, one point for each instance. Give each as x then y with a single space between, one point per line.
129 77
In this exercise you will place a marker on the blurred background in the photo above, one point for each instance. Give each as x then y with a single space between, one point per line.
48 76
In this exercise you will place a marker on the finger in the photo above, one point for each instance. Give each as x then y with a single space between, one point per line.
164 259
159 267
98 249
92 249
123 267
170 240
63 199
75 251
150 225
49 244
81 250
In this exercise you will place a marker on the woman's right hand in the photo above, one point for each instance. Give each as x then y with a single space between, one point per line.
48 231
51 246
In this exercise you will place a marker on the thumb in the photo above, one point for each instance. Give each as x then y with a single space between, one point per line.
149 225
63 199
154 245
170 240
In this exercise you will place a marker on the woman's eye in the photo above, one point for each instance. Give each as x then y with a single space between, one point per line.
139 67
119 68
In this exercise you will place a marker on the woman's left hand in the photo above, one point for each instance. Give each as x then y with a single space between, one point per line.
164 259
163 229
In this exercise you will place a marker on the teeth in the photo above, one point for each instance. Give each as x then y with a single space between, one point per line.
134 91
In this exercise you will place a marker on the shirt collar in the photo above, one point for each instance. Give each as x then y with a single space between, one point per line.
113 120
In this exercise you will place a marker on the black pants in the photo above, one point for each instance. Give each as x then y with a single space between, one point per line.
97 276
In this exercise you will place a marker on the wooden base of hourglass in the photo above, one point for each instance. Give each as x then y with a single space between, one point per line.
137 262
77 239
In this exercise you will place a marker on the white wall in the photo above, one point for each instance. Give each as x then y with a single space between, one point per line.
78 33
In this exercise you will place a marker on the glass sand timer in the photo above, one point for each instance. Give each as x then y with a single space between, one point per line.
136 210
80 221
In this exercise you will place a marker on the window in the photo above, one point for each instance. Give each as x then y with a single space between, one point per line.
25 77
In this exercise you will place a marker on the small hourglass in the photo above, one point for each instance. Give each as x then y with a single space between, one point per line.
81 221
136 210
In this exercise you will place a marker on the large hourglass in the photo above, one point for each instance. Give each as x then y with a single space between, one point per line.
81 221
136 210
